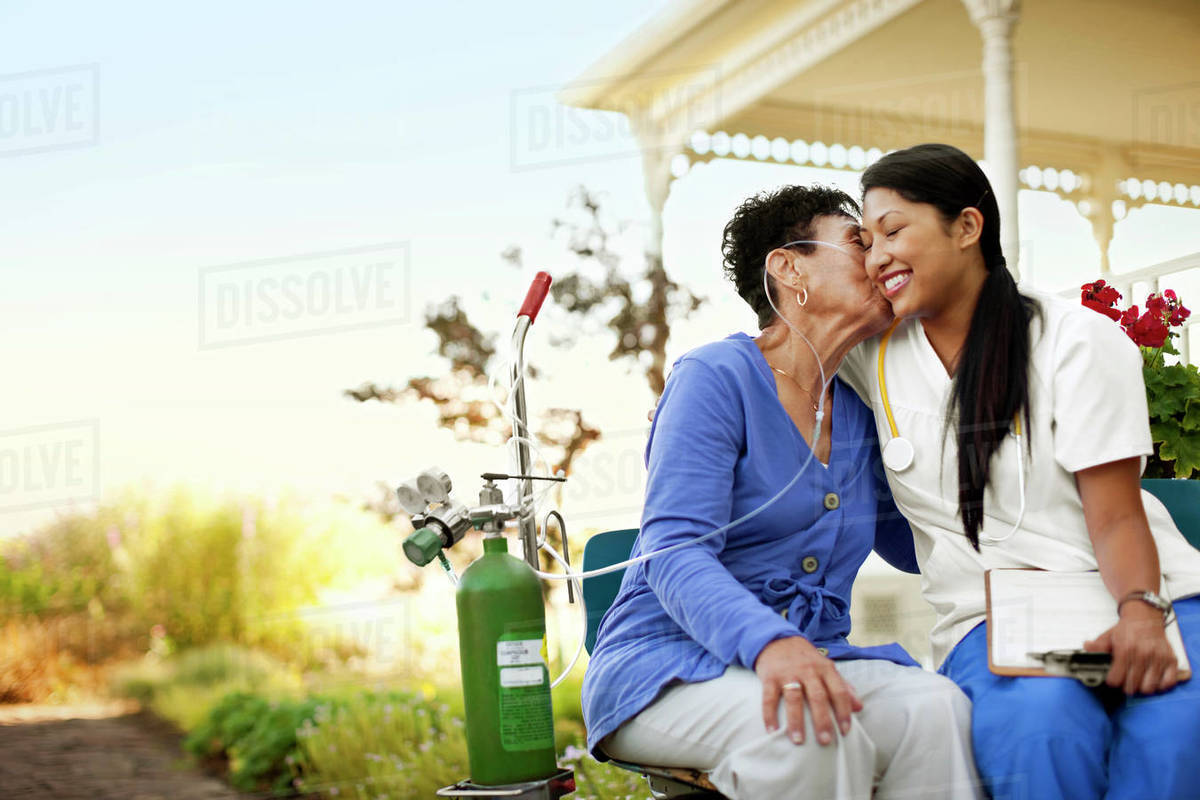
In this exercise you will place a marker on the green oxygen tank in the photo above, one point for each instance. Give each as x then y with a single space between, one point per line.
506 681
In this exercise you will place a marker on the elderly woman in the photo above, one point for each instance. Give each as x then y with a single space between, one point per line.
706 645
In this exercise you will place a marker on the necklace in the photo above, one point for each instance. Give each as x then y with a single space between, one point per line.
798 386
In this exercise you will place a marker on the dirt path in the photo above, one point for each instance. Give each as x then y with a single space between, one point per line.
97 752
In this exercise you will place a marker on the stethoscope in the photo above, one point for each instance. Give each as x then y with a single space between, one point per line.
898 452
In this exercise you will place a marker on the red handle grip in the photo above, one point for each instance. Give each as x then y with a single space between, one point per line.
535 296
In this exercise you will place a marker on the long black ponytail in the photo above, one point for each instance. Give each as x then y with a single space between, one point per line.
991 384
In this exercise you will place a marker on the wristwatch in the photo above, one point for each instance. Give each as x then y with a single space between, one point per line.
1150 598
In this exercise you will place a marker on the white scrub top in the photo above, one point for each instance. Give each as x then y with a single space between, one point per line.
1087 407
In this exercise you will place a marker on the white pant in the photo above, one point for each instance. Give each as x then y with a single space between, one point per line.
912 738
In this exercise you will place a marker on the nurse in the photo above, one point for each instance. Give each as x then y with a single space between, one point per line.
730 654
1013 425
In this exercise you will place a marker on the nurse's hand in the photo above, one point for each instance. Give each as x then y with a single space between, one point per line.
794 660
1143 661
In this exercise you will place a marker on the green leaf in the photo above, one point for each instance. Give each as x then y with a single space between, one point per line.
1167 404
1184 450
1191 419
1164 431
1176 375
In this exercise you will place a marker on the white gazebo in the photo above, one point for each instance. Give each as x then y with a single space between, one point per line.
1095 100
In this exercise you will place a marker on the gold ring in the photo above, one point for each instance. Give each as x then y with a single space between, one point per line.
792 685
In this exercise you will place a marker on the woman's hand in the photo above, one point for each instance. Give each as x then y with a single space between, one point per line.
793 660
1128 559
1143 661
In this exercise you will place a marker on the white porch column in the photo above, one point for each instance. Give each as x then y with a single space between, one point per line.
656 172
1100 193
996 20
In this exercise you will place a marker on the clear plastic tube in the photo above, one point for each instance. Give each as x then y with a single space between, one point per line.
447 567
518 436
582 610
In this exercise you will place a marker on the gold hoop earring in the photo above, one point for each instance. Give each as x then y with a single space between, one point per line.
803 302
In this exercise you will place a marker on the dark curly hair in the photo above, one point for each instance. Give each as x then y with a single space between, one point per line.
771 219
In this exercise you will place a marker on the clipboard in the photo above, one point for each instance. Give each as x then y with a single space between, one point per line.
1031 610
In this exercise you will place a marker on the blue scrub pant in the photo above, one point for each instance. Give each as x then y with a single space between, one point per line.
1043 738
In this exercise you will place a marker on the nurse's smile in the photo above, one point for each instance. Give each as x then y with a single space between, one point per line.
893 282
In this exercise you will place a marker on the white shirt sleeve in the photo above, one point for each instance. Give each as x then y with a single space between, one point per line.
1100 412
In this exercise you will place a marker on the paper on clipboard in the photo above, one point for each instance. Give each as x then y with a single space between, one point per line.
1036 611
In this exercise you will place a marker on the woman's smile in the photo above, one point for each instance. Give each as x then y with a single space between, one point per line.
894 281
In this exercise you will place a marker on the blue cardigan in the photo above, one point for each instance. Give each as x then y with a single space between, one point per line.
721 445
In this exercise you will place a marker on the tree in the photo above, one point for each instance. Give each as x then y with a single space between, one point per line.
641 329
462 398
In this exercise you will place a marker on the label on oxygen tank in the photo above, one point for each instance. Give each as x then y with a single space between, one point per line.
526 718
513 652
521 676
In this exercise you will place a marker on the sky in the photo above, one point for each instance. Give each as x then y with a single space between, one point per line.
169 171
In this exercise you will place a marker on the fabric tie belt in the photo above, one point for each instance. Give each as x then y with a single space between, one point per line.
808 606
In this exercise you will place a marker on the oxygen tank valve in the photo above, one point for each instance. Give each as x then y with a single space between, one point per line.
422 546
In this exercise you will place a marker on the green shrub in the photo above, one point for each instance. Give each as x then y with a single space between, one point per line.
360 745
344 743
382 744
184 688
226 663
194 570
67 567
227 723
241 570
257 736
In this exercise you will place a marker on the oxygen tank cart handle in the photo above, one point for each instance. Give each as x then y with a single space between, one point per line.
535 296
527 524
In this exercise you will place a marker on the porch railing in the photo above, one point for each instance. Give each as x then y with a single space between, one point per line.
1154 276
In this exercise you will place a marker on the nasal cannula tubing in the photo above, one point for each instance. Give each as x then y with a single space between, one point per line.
568 574
517 436
576 577
582 608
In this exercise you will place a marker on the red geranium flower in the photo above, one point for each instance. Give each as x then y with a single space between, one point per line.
1152 331
1108 295
1156 304
1100 292
1099 296
1149 331
1176 312
1095 305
